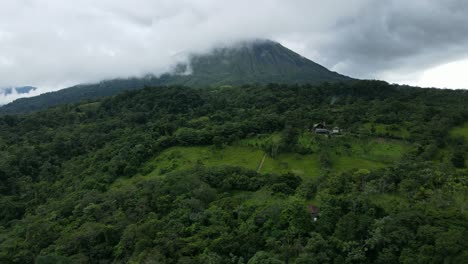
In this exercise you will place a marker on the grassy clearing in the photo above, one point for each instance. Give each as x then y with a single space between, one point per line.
444 154
310 141
346 163
303 165
460 131
346 153
260 140
179 158
262 196
387 130
121 182
390 201
378 149
89 107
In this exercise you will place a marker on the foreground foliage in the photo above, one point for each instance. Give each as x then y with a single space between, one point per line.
96 182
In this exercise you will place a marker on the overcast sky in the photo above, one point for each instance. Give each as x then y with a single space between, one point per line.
53 44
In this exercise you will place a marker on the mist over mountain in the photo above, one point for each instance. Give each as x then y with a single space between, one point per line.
8 94
19 90
255 62
260 61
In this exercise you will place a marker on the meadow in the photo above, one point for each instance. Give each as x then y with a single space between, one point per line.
346 153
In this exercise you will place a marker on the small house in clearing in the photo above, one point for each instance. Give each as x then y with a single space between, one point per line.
314 211
321 128
320 125
322 131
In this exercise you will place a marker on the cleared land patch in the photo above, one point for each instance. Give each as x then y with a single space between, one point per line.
345 153
460 131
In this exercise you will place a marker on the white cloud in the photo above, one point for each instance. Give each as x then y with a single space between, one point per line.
55 41
6 98
450 75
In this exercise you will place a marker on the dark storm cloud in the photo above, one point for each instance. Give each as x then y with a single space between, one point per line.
399 36
55 43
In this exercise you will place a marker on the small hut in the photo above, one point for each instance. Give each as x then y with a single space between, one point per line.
314 211
322 131
320 125
321 128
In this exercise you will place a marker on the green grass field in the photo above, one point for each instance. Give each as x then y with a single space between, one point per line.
346 153
456 132
460 131
387 130
390 201
259 197
260 140
178 158
303 165
345 163
380 150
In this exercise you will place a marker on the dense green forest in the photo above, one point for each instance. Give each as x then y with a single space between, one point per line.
236 175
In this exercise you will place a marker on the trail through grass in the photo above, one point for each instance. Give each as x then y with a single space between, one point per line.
346 153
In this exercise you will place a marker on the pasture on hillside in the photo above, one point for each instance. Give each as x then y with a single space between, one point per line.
344 153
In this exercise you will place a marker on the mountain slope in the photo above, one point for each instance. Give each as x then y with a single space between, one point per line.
255 62
259 62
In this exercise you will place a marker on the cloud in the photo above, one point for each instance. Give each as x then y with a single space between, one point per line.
13 94
449 75
56 43
400 37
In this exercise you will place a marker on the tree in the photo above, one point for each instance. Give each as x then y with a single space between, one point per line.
262 257
458 159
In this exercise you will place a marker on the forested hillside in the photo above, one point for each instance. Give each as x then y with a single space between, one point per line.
237 175
260 62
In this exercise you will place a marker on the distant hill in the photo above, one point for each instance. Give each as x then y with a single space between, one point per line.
252 62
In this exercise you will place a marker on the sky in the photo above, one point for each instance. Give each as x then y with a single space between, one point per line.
53 44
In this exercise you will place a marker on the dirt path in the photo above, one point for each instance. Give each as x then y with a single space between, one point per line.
261 163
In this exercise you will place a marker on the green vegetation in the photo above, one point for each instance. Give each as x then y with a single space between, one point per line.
349 153
386 130
180 158
348 163
261 62
173 175
460 131
303 165
258 62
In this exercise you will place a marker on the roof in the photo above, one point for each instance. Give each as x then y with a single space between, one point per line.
313 209
321 130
